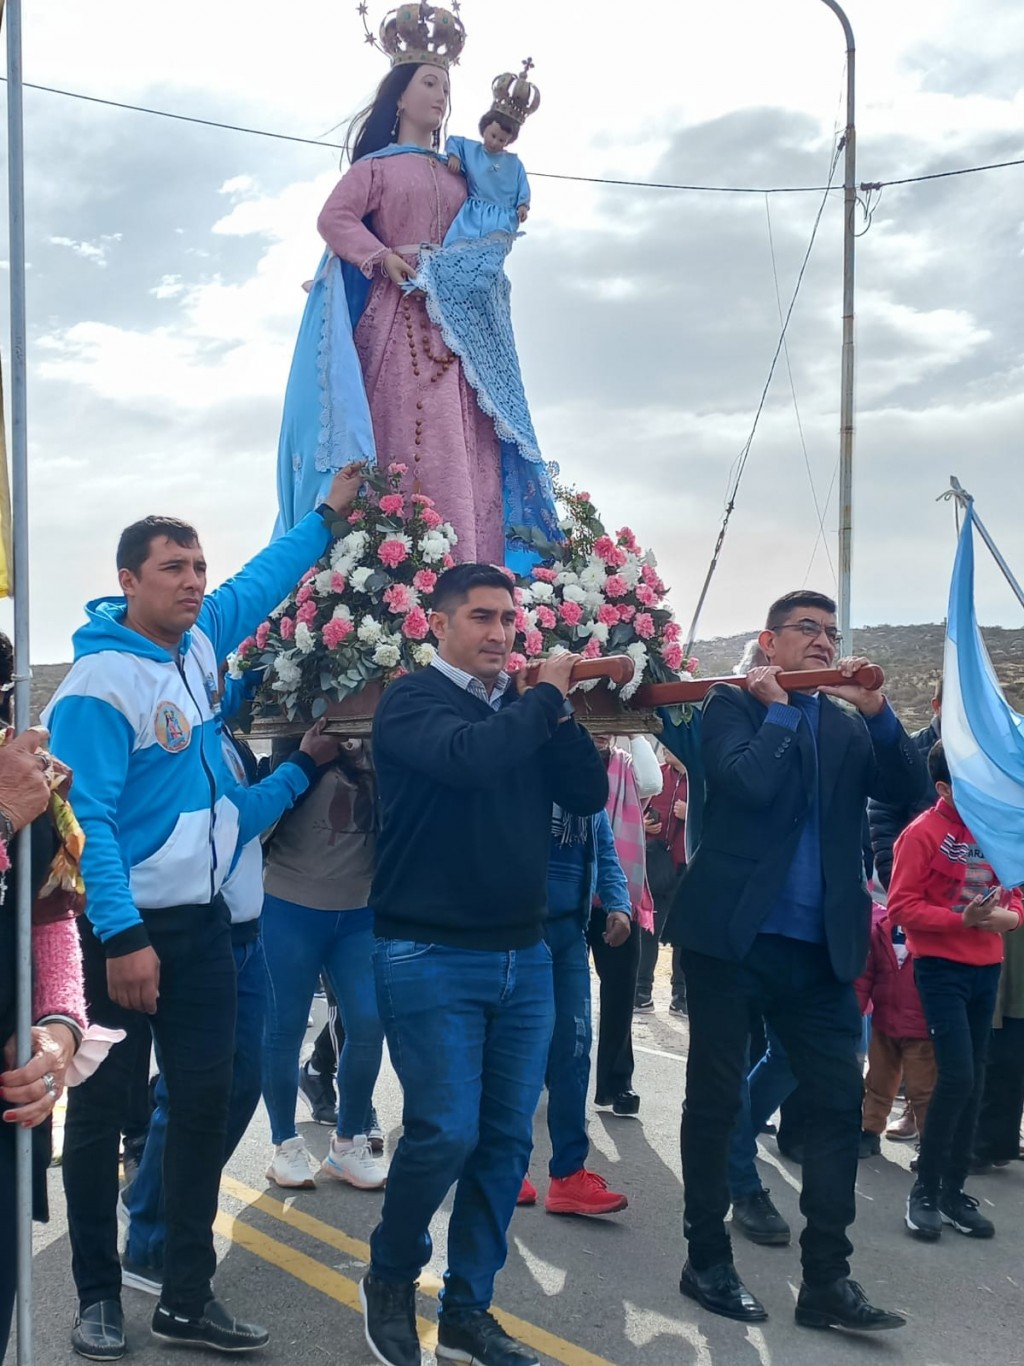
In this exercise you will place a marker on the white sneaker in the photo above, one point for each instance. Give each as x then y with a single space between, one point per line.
356 1163
292 1166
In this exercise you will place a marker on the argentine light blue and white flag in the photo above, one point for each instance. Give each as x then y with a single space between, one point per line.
981 733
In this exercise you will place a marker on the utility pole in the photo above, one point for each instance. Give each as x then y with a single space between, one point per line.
846 390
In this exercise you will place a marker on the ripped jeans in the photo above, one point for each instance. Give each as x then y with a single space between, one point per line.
568 1075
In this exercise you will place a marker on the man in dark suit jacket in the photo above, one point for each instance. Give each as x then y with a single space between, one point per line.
773 916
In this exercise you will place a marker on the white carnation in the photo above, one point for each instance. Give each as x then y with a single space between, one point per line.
599 631
288 674
433 548
593 599
543 592
233 670
572 592
304 639
525 597
423 654
448 532
279 610
638 654
566 523
359 577
630 571
322 582
386 655
593 575
355 544
341 613
369 631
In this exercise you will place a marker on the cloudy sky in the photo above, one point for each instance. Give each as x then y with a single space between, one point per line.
166 261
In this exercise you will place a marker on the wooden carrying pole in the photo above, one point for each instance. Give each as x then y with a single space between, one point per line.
696 689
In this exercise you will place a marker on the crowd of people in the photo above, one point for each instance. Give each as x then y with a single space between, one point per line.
453 883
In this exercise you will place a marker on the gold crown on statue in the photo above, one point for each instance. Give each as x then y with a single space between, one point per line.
515 95
418 33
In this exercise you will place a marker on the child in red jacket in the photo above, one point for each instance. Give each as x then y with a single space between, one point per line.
900 1044
947 899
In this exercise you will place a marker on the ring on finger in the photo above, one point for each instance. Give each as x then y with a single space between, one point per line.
50 1082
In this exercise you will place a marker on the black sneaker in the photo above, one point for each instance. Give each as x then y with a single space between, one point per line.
389 1320
870 1145
643 1004
960 1211
214 1328
148 1279
478 1338
678 1005
757 1217
922 1217
318 1093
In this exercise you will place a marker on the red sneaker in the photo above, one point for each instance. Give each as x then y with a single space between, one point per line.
527 1193
582 1193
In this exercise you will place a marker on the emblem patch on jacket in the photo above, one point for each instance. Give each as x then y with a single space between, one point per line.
173 730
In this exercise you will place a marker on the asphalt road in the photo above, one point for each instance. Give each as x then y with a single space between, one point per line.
588 1292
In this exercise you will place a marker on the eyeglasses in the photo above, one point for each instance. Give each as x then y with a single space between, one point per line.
812 629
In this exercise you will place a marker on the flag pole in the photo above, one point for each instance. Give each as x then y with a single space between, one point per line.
22 698
960 495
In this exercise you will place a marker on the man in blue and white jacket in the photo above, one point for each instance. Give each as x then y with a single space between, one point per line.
138 720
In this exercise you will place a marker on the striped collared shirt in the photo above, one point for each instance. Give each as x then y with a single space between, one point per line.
472 685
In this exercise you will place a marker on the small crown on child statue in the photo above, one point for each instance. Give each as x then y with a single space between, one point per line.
418 33
515 95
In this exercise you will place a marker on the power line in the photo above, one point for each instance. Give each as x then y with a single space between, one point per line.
540 175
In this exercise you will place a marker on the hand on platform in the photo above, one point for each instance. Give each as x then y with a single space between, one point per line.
867 702
322 749
762 684
133 981
345 486
617 929
24 778
557 670
398 269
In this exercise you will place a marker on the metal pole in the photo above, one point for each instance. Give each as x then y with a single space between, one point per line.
22 700
966 500
846 392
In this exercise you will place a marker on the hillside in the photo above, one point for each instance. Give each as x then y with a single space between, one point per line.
910 655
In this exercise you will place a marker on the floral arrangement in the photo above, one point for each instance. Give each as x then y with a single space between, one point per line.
598 594
358 615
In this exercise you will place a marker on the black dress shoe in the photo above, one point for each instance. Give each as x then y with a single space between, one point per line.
478 1337
721 1290
214 1328
842 1304
623 1103
757 1217
98 1334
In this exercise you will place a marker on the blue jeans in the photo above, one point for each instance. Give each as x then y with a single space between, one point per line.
300 944
959 1002
468 1032
762 1092
568 1075
148 1229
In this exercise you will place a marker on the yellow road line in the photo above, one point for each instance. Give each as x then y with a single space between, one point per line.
559 1349
307 1269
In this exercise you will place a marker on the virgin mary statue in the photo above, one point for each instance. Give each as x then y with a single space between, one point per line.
373 376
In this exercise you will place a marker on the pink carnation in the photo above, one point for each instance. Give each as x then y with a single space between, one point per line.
392 505
304 594
247 644
545 575
571 613
606 548
421 500
424 580
671 631
646 594
392 553
308 575
448 562
520 620
533 643
356 516
626 612
546 618
430 518
584 498
262 635
399 599
608 614
306 613
644 625
338 584
692 664
287 628
593 648
615 586
627 539
514 663
650 576
398 469
335 631
416 626
672 654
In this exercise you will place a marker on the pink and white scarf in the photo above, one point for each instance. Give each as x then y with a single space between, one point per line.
625 811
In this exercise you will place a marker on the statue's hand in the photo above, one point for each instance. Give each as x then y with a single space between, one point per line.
454 164
398 269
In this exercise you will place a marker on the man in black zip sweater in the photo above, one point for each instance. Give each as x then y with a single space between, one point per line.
468 771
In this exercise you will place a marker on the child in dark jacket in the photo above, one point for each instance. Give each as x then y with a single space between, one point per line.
900 1043
947 898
